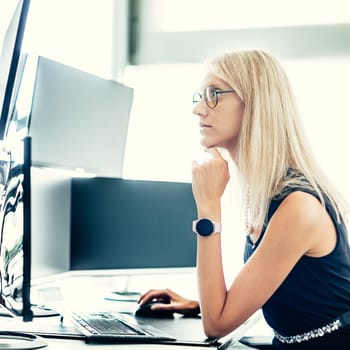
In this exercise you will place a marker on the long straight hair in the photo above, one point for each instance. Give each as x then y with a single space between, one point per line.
272 140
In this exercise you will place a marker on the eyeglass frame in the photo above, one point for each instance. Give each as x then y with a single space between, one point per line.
203 95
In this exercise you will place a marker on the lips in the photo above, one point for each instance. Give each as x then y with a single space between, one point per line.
204 129
202 125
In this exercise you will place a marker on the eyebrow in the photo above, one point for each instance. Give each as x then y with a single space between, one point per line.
214 86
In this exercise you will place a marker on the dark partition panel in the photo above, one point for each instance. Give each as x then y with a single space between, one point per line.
118 224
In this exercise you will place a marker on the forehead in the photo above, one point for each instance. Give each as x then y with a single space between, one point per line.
212 80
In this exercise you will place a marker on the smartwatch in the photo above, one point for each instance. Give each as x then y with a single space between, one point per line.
206 227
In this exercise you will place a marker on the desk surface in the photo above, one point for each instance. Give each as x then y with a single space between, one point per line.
52 324
93 297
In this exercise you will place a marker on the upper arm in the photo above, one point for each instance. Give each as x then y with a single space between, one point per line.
293 231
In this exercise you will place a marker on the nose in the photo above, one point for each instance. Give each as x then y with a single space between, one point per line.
200 109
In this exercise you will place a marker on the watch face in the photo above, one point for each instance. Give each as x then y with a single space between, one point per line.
205 227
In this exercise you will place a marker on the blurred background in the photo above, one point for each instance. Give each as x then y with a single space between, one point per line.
158 46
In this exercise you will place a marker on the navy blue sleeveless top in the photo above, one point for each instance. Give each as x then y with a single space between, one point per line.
317 290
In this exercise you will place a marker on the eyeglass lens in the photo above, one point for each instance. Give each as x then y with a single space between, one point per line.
210 96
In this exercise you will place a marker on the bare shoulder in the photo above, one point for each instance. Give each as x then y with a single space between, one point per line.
304 215
302 206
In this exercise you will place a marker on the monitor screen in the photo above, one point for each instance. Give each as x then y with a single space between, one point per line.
78 120
132 224
10 54
15 227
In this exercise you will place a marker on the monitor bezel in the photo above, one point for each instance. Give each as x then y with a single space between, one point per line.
11 77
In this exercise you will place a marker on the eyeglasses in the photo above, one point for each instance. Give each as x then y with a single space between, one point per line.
210 96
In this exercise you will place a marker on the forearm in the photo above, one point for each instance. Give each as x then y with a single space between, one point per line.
212 287
209 180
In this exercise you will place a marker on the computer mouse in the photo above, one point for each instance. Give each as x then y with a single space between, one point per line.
146 311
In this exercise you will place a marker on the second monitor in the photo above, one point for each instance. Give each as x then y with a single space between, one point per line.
131 224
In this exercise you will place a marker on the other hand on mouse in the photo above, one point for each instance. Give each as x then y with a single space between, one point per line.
168 300
146 310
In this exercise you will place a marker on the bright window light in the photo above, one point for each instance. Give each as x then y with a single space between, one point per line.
77 33
230 14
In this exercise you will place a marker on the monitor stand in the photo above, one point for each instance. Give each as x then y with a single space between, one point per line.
125 294
20 340
38 311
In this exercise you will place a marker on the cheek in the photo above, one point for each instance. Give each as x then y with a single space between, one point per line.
234 120
233 132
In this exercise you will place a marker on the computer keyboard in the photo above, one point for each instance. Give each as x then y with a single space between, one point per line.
105 323
114 325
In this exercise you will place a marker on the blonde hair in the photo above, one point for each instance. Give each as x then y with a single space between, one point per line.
271 141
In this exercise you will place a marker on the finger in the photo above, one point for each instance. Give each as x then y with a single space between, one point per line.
149 295
173 295
153 294
160 306
142 298
146 293
214 152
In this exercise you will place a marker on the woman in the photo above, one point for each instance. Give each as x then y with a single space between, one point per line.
297 257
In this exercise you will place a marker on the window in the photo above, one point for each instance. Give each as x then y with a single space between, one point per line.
77 33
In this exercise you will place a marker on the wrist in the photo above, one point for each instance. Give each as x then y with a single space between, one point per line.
192 308
212 212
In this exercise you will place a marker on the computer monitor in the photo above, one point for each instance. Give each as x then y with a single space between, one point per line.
78 120
132 224
10 54
15 229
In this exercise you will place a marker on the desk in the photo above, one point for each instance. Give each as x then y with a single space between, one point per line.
52 324
94 289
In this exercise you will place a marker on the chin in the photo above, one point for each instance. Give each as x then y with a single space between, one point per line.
207 144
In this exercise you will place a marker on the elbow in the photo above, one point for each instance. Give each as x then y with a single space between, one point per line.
218 327
215 330
213 334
